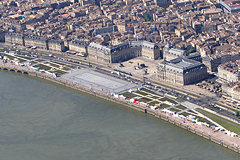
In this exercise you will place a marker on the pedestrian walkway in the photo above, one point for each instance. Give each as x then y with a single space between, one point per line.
183 111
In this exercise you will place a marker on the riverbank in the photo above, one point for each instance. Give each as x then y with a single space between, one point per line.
208 133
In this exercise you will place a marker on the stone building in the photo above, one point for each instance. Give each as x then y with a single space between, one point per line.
182 71
123 51
212 63
163 3
36 41
78 46
17 27
99 52
229 71
195 56
110 54
170 53
121 28
74 1
230 6
232 89
150 50
146 49
56 45
14 38
2 36
107 29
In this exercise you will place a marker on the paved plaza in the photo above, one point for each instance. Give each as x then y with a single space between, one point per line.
99 81
130 65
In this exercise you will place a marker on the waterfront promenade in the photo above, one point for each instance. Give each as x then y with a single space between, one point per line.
219 137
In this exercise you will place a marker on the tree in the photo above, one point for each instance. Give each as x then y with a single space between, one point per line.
191 50
148 18
12 3
237 114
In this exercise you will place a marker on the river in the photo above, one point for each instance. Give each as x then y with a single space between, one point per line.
42 121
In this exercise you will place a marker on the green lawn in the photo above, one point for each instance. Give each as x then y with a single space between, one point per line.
54 65
226 123
21 60
33 62
181 107
59 63
185 114
190 111
232 109
155 97
144 99
162 99
174 109
129 95
153 103
201 119
180 100
167 99
146 90
10 57
66 69
142 93
69 66
64 65
59 72
41 66
39 60
163 106
25 57
172 101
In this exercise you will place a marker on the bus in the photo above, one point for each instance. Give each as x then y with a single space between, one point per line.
120 71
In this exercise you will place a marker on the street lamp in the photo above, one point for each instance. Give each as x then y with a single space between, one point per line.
88 61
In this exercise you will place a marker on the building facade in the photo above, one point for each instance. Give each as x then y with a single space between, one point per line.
229 71
123 52
232 90
55 45
213 63
2 36
78 46
14 38
106 54
170 53
150 50
35 41
99 52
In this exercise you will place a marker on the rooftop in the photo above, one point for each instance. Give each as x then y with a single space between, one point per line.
181 65
233 67
233 4
184 63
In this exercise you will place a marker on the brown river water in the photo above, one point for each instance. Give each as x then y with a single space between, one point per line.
43 121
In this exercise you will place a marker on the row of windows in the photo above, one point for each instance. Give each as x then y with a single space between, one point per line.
193 78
